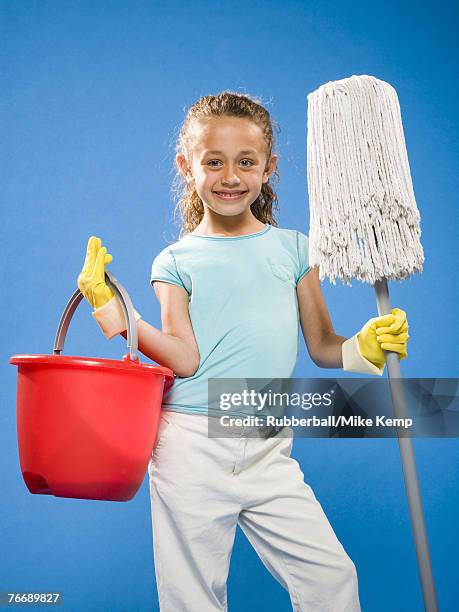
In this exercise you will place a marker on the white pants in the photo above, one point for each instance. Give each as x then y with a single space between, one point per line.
202 487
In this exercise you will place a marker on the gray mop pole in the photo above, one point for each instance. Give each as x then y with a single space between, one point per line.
408 462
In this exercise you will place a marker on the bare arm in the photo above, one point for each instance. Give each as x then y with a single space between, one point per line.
175 346
324 346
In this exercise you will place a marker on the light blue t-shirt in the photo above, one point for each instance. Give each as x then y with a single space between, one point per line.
243 306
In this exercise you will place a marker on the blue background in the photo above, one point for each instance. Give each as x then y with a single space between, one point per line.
93 96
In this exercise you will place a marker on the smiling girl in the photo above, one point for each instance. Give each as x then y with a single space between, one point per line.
234 290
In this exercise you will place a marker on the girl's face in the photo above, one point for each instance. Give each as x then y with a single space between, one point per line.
228 163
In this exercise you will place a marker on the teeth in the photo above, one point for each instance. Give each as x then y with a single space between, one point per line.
235 193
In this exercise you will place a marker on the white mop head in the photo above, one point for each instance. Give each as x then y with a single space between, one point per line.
364 221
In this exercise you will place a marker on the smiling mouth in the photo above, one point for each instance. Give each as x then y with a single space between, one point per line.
234 195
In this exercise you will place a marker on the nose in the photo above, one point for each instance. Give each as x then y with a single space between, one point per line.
230 177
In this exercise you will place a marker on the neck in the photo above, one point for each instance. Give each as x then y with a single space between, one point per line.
219 225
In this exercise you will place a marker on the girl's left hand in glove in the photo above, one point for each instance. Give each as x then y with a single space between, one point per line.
386 333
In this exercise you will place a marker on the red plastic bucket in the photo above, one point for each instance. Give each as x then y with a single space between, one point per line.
87 427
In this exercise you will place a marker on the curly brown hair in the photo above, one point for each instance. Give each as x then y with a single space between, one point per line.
189 207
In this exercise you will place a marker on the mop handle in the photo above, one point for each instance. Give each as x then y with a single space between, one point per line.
128 309
408 462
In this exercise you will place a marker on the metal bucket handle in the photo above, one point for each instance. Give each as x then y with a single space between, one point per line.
128 308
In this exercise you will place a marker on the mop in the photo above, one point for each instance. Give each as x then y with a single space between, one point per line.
365 224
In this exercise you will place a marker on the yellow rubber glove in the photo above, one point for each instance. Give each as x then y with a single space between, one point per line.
91 281
386 333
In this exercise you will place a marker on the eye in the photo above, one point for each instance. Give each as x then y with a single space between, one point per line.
247 163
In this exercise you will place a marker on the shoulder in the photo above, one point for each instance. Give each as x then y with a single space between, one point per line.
289 233
166 265
293 238
173 250
296 245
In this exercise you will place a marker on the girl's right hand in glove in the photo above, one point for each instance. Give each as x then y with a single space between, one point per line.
91 281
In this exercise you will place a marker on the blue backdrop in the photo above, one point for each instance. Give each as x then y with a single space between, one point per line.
93 96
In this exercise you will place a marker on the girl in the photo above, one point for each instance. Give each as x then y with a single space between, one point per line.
233 290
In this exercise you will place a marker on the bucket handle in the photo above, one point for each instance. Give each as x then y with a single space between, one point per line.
128 308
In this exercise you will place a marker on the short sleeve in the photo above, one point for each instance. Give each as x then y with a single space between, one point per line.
164 268
302 247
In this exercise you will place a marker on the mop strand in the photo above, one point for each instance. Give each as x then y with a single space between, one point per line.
364 220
